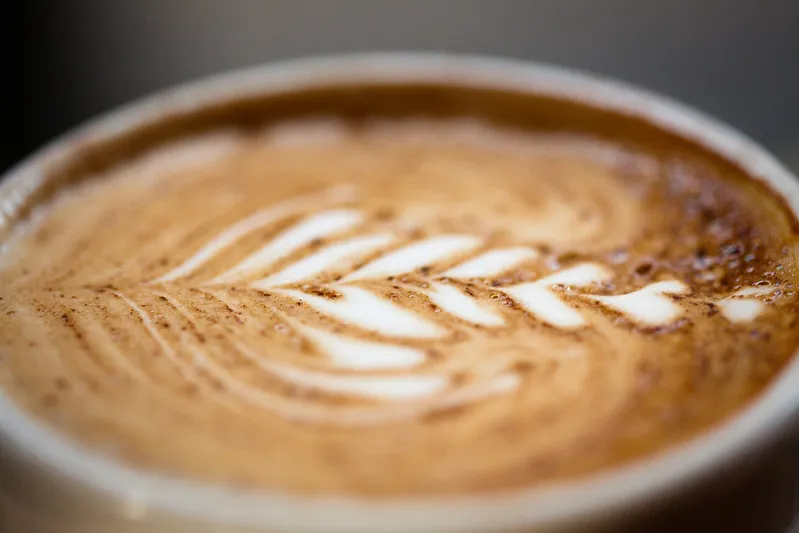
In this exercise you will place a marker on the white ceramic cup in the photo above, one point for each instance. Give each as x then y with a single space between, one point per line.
50 485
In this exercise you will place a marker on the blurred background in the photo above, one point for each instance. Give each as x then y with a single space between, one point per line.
70 60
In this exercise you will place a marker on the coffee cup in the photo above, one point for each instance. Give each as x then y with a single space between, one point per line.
406 277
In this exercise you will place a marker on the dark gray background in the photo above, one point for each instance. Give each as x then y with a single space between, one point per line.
737 59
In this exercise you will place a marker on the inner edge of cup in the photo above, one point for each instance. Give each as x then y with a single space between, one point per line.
608 492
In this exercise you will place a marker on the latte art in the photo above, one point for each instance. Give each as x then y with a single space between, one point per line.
345 301
469 308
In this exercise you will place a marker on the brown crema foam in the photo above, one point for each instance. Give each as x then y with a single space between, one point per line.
400 290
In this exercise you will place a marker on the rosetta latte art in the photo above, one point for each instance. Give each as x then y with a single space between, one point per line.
655 304
467 315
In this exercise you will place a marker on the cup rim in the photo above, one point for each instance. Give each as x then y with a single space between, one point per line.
620 488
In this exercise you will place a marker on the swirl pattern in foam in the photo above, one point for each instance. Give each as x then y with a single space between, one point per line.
466 307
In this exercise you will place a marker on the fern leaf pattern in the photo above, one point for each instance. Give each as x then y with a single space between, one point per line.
337 280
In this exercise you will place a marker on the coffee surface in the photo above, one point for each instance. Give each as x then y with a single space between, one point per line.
403 307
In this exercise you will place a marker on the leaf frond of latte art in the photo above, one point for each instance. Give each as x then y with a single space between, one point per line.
338 265
334 263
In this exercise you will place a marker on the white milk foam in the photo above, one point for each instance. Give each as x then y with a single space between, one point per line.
242 228
316 227
652 305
